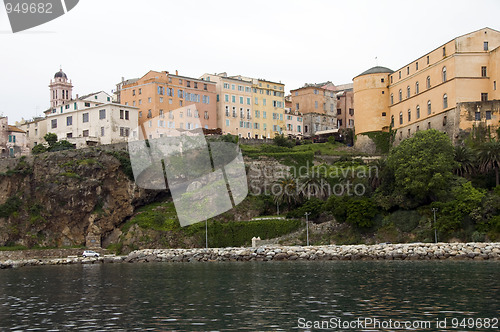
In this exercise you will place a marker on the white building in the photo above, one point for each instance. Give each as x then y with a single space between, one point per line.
89 120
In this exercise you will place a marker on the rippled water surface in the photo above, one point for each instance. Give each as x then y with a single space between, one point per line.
266 296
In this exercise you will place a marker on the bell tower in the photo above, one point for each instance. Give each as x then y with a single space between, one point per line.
61 90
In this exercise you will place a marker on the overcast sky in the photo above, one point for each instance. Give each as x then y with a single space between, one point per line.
292 41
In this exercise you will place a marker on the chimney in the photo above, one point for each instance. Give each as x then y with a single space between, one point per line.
123 79
176 72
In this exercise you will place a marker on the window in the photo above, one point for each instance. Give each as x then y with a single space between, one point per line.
264 101
102 114
418 112
384 113
297 106
428 82
316 104
409 115
408 91
444 74
416 65
484 96
233 87
241 100
417 88
150 115
494 85
140 101
408 70
87 104
400 95
391 79
392 120
54 123
429 107
140 91
351 111
444 51
392 98
124 131
485 46
69 121
382 80
69 135
161 99
233 99
488 115
140 114
86 133
206 115
188 84
477 116
400 118
102 131
127 115
483 71
133 92
248 101
121 114
444 120
400 74
315 91
85 117
427 59
429 125
445 101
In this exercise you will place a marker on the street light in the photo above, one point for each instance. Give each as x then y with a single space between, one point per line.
435 231
206 233
307 226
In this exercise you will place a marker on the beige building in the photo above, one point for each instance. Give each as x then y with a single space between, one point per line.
450 88
35 130
13 141
318 105
249 107
293 123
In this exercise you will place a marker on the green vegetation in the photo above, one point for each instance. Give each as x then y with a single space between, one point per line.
53 145
381 139
124 159
11 206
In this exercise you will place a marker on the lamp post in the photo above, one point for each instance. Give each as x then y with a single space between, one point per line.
307 226
435 231
206 233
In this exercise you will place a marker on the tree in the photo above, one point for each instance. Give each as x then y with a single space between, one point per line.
465 161
39 148
313 185
281 140
51 139
489 158
423 166
288 192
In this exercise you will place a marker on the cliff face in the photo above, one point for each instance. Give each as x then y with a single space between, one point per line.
57 199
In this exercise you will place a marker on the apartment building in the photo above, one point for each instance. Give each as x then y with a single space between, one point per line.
453 88
13 141
249 107
158 96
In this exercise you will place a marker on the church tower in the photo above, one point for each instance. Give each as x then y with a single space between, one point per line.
60 89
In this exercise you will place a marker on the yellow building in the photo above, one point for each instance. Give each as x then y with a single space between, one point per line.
452 89
269 108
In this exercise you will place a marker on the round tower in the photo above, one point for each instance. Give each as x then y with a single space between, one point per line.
371 99
60 89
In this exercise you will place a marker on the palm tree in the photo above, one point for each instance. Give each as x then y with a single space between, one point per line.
489 158
313 185
287 192
375 178
465 158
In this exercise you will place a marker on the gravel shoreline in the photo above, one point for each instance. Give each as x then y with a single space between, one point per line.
407 251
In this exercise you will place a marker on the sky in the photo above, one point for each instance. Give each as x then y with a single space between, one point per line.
292 41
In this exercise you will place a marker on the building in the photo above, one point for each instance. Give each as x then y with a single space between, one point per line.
453 88
89 120
13 141
249 107
293 120
158 94
35 130
345 106
318 105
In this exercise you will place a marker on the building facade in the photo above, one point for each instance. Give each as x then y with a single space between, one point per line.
249 107
345 106
318 105
35 130
293 124
434 91
158 94
13 141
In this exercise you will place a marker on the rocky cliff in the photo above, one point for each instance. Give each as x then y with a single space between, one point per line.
57 199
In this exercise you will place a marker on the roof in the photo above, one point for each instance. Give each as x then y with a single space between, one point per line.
60 73
91 94
15 129
377 70
329 131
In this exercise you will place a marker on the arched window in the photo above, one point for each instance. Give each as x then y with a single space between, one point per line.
408 91
417 90
400 95
418 112
429 108
392 98
392 120
444 74
400 118
409 115
428 82
445 101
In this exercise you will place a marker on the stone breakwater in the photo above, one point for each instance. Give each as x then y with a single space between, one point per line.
411 251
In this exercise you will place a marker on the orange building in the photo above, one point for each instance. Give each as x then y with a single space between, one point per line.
453 88
159 94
